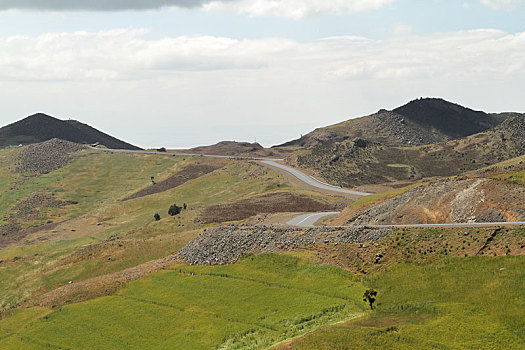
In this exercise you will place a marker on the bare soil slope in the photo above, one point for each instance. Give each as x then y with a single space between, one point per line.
448 201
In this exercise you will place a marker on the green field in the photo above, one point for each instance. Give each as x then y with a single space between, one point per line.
461 303
253 304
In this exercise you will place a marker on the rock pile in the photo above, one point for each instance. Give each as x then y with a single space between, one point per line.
226 244
44 157
37 201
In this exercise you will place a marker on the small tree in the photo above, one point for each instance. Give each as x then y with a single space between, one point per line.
162 149
370 296
153 180
174 210
156 216
184 206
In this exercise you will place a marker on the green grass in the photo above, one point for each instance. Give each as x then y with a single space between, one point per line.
253 304
517 178
461 303
97 181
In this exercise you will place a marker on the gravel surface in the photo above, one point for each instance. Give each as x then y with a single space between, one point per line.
226 244
44 157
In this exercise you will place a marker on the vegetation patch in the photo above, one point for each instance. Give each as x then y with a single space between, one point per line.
460 303
253 304
190 172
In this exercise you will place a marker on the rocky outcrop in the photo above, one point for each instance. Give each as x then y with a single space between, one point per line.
447 201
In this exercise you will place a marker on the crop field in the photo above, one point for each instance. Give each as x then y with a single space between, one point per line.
253 304
458 303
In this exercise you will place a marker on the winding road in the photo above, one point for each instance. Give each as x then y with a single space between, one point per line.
312 181
308 220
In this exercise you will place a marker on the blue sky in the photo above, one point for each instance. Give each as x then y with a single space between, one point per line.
253 69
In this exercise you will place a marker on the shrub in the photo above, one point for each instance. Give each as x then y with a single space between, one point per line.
156 216
174 210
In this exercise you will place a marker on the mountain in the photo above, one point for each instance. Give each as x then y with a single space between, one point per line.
424 138
420 122
41 127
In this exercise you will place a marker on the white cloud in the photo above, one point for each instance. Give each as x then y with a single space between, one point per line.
127 80
125 54
284 8
506 5
294 8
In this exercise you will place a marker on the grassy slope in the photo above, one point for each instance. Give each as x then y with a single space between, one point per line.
255 303
460 303
128 234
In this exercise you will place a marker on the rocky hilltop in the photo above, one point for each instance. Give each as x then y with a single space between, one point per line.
41 127
420 122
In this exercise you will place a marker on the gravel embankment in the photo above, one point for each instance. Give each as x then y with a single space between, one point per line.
44 157
226 244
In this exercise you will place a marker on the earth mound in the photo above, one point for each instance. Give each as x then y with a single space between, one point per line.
233 148
44 157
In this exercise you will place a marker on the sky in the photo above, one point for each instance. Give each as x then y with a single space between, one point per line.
183 73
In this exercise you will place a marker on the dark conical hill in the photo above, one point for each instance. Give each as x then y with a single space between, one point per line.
41 127
420 122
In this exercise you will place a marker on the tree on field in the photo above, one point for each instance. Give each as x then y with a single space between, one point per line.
370 297
184 206
174 210
156 216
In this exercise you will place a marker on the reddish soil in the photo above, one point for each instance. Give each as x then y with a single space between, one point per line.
279 202
190 172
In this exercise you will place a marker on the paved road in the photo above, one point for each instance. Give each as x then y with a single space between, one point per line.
308 220
268 161
311 181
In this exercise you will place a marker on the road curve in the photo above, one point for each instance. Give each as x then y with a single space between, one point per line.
268 161
308 220
311 181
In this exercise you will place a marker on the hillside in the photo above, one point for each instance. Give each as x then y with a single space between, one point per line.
419 122
85 264
41 127
236 149
360 161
